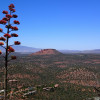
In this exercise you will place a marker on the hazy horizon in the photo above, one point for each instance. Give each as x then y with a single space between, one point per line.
55 48
61 49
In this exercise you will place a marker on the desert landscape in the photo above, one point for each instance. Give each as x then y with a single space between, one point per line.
72 74
50 50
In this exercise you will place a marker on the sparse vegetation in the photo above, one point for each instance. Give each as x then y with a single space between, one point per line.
76 78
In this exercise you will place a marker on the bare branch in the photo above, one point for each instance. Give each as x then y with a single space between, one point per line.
2 56
3 46
97 89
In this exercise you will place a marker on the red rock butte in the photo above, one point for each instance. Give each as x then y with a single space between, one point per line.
47 52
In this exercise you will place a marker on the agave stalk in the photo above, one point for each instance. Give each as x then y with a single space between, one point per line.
5 38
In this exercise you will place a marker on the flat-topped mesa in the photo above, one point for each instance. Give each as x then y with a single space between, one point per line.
47 52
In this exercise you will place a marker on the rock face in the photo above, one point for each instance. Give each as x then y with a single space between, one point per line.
47 52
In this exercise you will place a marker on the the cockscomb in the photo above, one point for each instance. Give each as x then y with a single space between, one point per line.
2 38
3 22
10 49
13 57
5 18
17 43
1 43
14 16
14 28
1 30
8 16
16 22
14 35
0 52
7 35
5 12
11 6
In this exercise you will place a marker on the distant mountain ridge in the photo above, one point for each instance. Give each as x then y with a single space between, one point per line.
25 49
95 51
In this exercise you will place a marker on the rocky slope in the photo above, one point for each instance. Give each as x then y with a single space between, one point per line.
47 52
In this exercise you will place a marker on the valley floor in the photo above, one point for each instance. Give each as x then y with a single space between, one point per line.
36 76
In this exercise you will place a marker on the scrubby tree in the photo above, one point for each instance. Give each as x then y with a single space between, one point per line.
5 37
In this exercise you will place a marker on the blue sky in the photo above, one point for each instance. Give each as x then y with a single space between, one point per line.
58 24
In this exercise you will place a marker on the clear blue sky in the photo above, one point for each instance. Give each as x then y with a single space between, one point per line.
58 24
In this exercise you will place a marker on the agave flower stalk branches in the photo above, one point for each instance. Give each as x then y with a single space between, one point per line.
5 39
